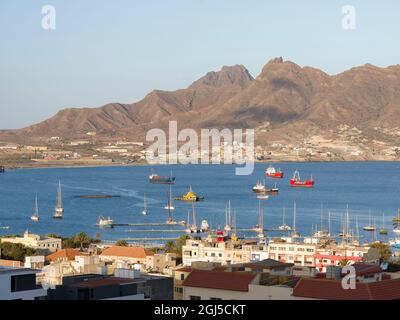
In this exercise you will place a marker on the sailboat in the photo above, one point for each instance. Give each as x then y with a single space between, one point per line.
322 233
396 223
259 226
59 210
369 227
295 234
144 212
193 227
170 204
35 217
228 226
383 231
284 226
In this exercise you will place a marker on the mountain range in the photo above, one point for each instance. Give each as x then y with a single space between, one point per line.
285 104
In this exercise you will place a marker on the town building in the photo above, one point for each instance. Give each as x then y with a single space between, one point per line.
133 286
34 241
20 284
135 257
58 269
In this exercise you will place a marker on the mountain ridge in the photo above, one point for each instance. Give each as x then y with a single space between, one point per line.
284 102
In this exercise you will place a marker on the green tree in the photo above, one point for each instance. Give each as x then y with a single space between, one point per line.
384 250
170 246
122 243
82 239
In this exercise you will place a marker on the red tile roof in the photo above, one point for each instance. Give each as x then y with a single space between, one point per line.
234 281
332 290
127 252
65 255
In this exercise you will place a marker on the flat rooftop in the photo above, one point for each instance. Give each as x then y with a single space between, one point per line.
7 270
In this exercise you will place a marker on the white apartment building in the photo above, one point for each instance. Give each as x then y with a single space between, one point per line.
19 284
212 250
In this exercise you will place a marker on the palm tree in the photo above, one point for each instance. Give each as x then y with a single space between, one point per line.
344 262
121 243
169 246
81 238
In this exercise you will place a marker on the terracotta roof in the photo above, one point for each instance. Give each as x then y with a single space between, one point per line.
10 263
65 255
127 252
332 290
234 281
366 269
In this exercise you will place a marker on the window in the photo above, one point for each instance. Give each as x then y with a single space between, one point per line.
310 250
220 255
182 276
194 298
215 298
300 249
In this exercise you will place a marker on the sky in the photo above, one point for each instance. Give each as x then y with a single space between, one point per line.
118 51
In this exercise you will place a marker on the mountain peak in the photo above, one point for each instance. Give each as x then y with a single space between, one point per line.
227 76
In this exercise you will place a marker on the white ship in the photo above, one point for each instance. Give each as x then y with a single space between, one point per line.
59 210
284 226
105 222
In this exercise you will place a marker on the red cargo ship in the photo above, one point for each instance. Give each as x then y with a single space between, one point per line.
296 181
272 173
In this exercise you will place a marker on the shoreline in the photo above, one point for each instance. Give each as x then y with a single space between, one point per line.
110 165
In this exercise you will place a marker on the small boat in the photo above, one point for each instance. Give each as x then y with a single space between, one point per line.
259 227
59 210
396 229
263 196
272 191
396 220
192 228
170 204
259 187
395 243
271 172
190 196
204 225
369 227
2 169
155 178
4 227
383 231
296 181
105 222
35 217
284 226
144 212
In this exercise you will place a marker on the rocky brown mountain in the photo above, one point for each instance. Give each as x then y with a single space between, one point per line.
285 103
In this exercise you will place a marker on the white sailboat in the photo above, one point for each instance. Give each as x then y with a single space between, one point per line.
259 226
369 227
59 210
228 226
170 204
284 226
144 212
35 217
192 228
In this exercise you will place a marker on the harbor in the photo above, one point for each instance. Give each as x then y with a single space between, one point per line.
117 197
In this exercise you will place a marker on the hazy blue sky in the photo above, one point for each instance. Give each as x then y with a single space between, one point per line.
118 51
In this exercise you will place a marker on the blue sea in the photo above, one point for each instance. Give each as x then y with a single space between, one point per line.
363 186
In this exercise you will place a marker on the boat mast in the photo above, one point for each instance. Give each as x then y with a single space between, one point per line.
59 196
294 219
193 216
329 223
36 207
283 216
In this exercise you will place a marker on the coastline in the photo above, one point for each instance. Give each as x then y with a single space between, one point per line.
33 166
